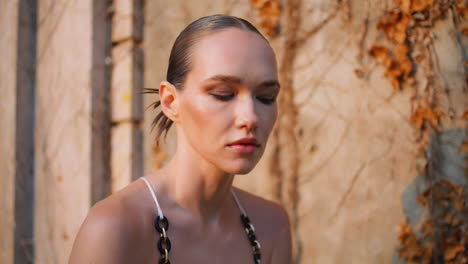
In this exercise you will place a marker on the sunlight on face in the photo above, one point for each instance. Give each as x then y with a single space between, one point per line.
229 95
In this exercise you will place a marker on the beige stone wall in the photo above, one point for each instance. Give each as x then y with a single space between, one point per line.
17 23
126 97
71 124
9 27
344 149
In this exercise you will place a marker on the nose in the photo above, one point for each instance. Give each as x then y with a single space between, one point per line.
247 117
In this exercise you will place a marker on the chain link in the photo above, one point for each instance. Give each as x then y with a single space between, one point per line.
250 231
164 243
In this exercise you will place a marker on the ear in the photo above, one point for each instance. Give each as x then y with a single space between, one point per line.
169 100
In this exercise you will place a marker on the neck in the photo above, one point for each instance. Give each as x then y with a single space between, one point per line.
197 186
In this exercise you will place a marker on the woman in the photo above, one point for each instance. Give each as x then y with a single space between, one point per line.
220 93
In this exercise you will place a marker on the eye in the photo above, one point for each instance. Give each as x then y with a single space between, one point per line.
223 93
223 97
266 99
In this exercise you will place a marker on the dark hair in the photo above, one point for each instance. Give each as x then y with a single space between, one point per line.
179 59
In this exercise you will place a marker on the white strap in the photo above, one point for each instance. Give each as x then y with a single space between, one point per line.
148 184
237 202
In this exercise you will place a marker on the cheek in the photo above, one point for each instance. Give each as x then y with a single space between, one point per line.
201 118
193 114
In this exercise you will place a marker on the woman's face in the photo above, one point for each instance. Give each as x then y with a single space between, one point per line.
229 95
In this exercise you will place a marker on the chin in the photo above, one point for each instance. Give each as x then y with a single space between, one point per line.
240 167
241 171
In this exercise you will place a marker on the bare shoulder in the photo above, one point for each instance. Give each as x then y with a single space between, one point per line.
272 224
107 233
262 209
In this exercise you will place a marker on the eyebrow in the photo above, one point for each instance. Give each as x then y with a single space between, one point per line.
225 78
237 80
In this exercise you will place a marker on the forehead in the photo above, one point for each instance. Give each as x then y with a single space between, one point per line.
233 52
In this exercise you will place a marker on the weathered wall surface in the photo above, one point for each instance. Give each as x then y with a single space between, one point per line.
71 131
9 27
347 142
17 75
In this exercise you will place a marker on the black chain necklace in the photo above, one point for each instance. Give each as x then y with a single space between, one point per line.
164 243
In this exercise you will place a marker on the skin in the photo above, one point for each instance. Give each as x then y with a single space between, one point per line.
229 94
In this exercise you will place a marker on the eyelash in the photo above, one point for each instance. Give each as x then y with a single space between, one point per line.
266 100
263 100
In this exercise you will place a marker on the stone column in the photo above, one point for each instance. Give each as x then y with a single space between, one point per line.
72 121
17 50
126 88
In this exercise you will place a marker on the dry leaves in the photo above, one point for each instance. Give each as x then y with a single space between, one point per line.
453 251
395 25
465 115
397 65
408 28
411 249
269 15
461 7
410 6
442 234
401 23
425 115
463 147
464 150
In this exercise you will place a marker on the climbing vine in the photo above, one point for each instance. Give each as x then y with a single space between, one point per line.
269 14
442 235
285 187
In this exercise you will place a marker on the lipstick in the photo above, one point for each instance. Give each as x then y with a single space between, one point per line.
244 145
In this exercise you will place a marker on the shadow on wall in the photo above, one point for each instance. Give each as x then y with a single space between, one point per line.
436 206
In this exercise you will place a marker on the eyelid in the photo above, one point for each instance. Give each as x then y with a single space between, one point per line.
221 88
222 97
222 92
268 95
267 100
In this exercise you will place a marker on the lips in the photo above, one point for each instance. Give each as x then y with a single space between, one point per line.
245 141
244 145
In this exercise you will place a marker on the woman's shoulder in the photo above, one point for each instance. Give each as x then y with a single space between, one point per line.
110 227
120 207
269 218
261 208
271 223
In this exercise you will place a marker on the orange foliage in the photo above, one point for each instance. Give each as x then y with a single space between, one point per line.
412 249
394 25
426 114
397 65
399 23
269 15
452 251
410 6
462 8
407 27
463 147
417 246
464 150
